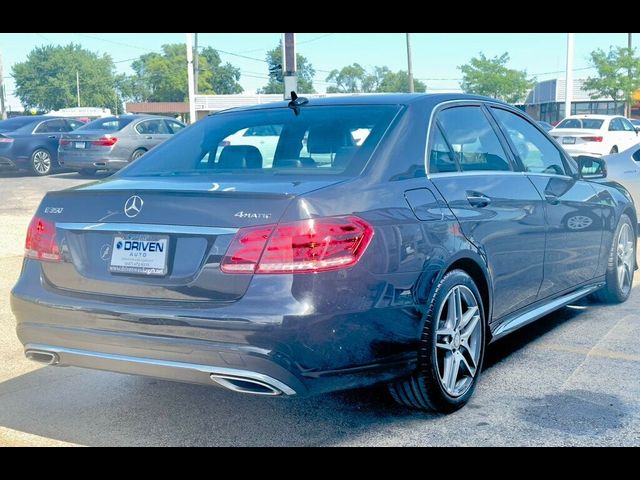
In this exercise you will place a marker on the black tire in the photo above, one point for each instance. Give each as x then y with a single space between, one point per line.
614 291
137 153
425 390
614 149
89 172
41 163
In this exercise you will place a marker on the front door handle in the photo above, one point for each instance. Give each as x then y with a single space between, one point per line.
51 136
477 199
149 138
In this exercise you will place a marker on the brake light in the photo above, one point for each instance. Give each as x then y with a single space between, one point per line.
64 141
592 139
305 246
105 141
41 241
6 140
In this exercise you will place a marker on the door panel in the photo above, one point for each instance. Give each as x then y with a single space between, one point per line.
574 216
507 224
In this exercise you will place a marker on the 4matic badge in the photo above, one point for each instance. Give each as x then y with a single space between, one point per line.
241 214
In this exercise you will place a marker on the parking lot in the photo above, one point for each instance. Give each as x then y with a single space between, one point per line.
571 378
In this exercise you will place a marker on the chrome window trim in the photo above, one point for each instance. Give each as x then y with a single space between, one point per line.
146 228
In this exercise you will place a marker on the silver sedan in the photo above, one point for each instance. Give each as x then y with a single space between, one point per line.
110 143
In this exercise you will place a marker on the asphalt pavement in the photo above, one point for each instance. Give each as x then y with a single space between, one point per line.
572 378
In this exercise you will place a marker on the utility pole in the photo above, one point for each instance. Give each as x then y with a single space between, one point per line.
289 69
409 66
3 113
627 105
195 64
568 95
192 103
78 86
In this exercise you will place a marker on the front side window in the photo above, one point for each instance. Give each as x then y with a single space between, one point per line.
174 126
474 142
52 126
536 152
615 125
273 141
626 125
73 124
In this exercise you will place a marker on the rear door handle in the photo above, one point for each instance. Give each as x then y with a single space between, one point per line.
551 198
149 138
51 136
477 199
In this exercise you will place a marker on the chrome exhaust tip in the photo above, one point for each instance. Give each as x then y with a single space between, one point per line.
40 356
245 385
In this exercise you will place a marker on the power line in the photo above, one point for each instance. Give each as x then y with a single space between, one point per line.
116 42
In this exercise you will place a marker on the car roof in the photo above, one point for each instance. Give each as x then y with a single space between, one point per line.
372 99
594 116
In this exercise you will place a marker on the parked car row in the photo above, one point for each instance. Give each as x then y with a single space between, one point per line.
42 143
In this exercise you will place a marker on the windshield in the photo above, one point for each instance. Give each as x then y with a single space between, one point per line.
16 123
319 140
110 124
591 123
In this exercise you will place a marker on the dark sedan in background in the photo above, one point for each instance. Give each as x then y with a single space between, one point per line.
31 142
110 143
405 234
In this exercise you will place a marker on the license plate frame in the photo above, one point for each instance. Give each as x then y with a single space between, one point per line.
80 145
568 140
140 254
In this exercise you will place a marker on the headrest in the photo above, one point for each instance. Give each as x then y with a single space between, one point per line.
240 156
327 139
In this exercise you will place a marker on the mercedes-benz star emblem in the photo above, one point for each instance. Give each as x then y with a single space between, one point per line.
132 206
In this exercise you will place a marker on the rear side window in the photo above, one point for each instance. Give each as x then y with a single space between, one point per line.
152 127
174 126
615 125
319 140
474 142
536 152
109 124
441 159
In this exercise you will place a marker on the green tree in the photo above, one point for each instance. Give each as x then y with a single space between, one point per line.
305 72
399 82
618 75
225 78
46 80
355 79
492 78
162 77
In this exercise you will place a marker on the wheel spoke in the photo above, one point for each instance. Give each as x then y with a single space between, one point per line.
458 309
451 368
469 362
468 316
444 332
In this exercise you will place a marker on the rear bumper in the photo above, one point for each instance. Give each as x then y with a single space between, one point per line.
590 149
295 354
80 162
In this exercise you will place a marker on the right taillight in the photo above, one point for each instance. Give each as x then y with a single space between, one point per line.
41 241
105 141
305 246
592 139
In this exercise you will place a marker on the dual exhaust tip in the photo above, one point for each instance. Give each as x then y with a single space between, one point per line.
237 384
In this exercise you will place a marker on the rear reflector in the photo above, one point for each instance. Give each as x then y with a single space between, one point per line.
105 141
592 139
305 246
41 241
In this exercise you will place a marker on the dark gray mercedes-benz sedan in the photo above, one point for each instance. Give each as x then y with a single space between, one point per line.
373 239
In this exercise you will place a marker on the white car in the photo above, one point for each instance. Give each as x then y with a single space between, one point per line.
624 168
595 135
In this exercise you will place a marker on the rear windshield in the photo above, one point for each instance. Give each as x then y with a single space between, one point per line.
15 123
109 124
319 140
590 123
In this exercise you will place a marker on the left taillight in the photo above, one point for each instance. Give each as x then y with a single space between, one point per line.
106 141
64 141
41 241
6 139
305 246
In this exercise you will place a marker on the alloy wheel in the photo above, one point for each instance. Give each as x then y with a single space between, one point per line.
42 162
458 340
624 258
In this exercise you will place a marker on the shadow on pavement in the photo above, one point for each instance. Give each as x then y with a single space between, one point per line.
101 408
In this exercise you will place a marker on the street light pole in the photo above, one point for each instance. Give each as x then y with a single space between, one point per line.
627 105
409 65
568 95
195 64
192 102
78 86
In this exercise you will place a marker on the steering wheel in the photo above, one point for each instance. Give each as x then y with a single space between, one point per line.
555 169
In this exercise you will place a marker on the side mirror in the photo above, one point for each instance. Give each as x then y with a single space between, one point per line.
637 129
591 167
